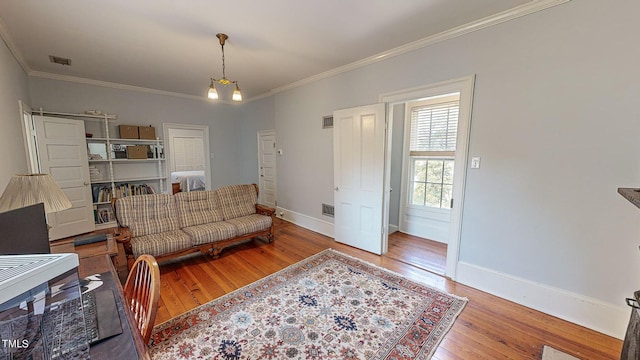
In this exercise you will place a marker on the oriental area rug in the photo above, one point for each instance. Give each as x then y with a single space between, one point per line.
328 306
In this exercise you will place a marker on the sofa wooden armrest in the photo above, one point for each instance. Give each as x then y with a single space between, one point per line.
268 211
123 236
265 210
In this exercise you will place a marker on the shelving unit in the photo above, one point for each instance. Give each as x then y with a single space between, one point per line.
122 176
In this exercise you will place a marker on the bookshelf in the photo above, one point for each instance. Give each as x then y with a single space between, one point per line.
114 174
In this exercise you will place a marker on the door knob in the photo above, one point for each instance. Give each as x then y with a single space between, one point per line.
86 183
337 188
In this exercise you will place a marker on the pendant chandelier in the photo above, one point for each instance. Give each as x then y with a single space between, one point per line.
213 93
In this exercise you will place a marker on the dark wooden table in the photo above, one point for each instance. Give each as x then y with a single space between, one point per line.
117 347
101 258
105 247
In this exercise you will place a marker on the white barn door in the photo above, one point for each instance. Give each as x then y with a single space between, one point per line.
62 152
358 145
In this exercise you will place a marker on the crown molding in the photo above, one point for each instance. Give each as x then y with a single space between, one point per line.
118 86
81 80
499 18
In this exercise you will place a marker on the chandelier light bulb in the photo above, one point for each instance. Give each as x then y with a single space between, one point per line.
237 95
213 93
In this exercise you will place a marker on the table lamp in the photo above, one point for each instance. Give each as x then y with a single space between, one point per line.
29 189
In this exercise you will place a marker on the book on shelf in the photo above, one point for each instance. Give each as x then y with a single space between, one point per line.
127 189
103 215
103 193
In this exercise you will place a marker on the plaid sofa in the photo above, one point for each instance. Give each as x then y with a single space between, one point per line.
167 226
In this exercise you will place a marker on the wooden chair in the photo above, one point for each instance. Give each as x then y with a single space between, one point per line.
142 292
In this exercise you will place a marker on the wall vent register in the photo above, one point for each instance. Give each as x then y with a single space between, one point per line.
328 210
327 122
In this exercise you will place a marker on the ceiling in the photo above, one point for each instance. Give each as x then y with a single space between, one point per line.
170 46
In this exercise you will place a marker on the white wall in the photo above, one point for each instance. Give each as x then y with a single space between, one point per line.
556 123
138 108
13 87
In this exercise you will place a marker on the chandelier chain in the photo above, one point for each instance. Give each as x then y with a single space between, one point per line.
223 66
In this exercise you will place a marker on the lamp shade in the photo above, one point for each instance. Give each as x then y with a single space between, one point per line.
29 189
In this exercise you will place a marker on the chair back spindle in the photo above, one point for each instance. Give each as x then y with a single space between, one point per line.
142 292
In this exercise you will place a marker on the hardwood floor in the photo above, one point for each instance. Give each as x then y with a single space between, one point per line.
423 253
488 328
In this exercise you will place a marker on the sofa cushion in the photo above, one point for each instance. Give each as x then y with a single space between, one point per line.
211 232
197 208
160 244
147 214
251 223
237 200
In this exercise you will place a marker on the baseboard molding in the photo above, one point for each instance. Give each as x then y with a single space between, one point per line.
307 222
595 314
606 318
393 228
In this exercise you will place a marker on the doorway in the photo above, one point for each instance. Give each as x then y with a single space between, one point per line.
267 168
187 154
397 103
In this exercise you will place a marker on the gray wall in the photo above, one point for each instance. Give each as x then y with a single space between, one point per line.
13 87
227 142
253 117
555 121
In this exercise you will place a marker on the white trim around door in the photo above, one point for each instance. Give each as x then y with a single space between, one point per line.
464 86
170 129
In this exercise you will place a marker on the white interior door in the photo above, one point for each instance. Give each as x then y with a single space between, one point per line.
187 149
62 152
267 167
359 149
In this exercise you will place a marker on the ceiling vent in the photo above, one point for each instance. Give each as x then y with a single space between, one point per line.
59 60
327 122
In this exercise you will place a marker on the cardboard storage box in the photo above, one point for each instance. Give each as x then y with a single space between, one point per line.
128 132
147 132
136 152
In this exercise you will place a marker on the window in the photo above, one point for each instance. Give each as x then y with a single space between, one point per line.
432 183
434 128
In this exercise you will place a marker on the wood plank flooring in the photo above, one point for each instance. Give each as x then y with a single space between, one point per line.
488 328
423 253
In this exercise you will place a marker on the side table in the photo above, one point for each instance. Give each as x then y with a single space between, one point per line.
100 248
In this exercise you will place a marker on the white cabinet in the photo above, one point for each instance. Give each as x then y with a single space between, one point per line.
118 172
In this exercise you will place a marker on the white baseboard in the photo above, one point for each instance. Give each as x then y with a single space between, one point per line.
308 222
393 228
607 318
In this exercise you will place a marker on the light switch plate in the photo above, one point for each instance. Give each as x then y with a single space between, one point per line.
475 162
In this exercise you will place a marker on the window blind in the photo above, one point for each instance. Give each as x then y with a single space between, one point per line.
434 128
